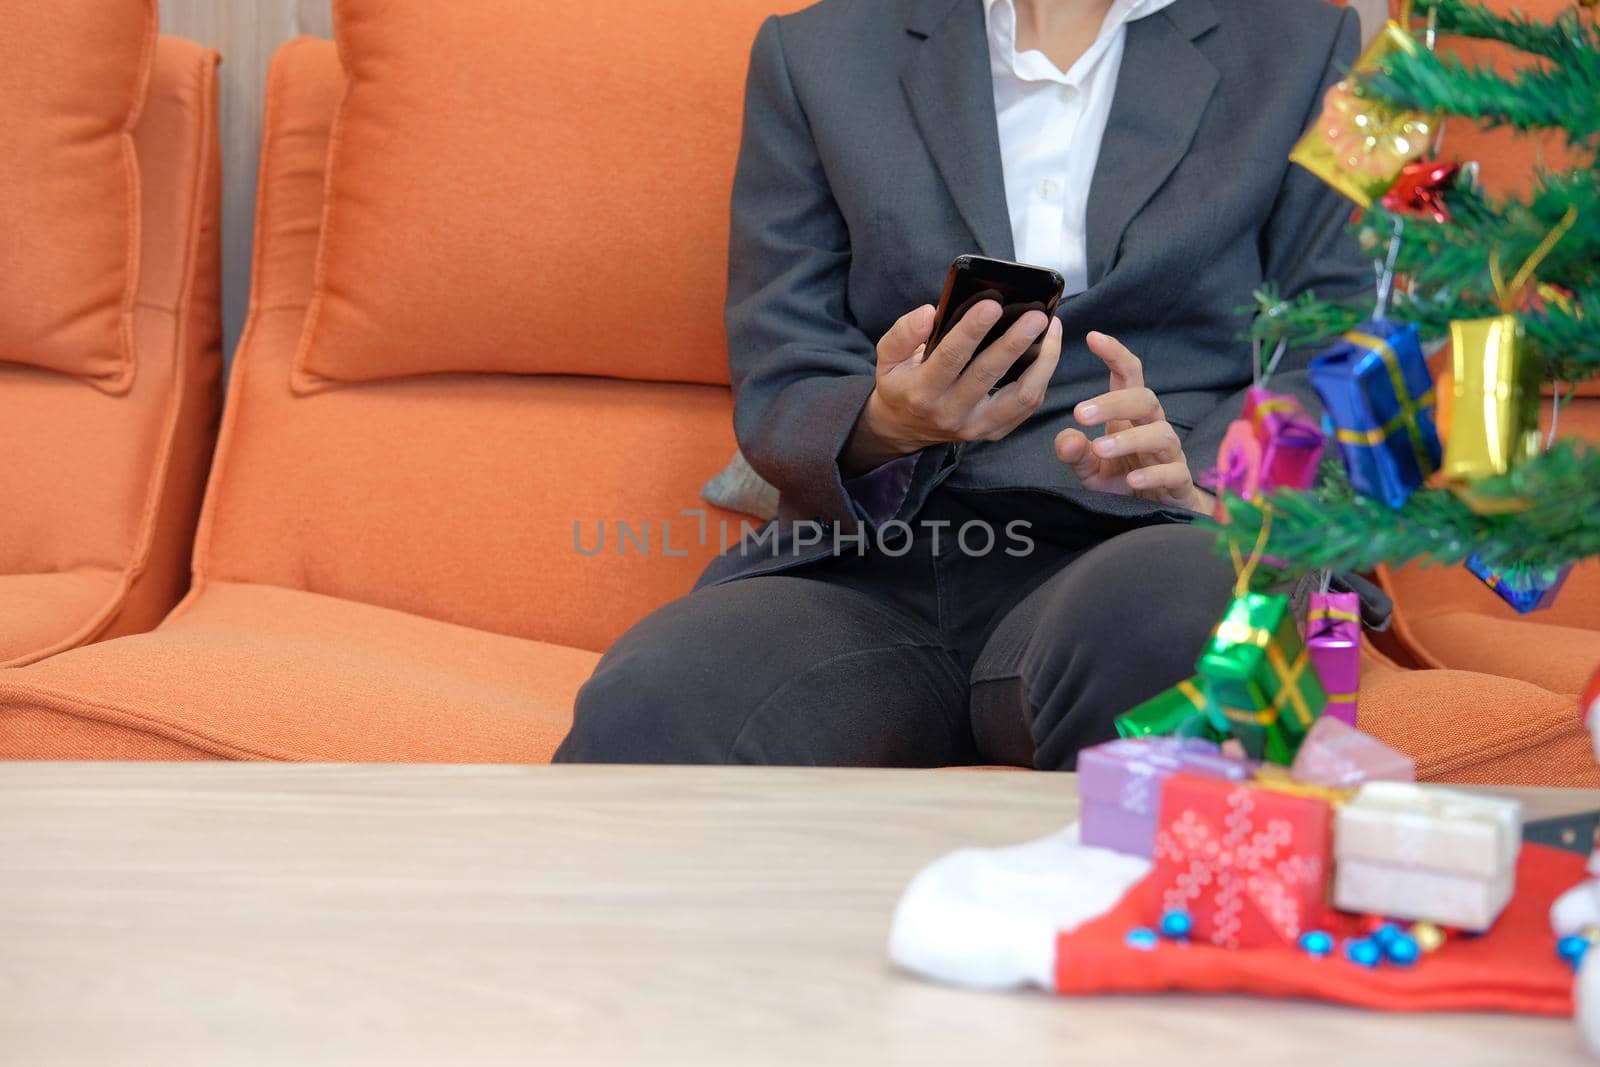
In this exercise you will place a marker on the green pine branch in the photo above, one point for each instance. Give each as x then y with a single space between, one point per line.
1566 40
1448 267
1334 527
1563 98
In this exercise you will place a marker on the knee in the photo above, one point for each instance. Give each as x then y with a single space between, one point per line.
1128 622
606 714
633 708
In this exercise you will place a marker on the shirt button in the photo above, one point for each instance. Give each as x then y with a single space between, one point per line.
1048 189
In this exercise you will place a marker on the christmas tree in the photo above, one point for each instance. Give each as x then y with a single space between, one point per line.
1512 280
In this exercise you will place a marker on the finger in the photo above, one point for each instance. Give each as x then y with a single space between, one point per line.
1126 370
1158 441
1138 406
999 414
1072 448
946 362
990 365
909 333
1173 480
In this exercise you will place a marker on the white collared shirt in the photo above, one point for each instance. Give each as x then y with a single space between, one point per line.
1051 124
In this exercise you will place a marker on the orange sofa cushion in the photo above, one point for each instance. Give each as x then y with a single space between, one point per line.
530 188
458 497
103 490
254 672
73 75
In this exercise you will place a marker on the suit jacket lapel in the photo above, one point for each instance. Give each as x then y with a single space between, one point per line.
1162 92
950 89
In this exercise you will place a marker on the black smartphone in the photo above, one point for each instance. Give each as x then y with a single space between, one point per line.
1018 287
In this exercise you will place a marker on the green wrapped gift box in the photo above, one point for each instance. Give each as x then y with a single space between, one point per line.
1259 674
1185 710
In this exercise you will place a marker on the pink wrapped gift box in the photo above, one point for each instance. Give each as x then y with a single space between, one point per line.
1291 440
1422 853
1333 637
1339 756
1119 784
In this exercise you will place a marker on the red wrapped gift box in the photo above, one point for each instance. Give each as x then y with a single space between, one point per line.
1249 865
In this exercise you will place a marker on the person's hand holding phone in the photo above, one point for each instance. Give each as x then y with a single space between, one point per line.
1140 453
925 398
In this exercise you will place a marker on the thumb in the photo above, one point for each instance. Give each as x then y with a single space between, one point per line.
905 338
1072 448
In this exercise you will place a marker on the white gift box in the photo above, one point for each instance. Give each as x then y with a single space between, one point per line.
1419 853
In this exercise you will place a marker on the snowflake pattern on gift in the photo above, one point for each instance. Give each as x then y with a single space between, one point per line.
1141 790
1246 865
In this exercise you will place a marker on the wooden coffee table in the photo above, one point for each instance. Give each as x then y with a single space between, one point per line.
226 914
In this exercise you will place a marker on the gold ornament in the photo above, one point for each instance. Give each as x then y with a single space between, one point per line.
1494 410
1428 936
1360 146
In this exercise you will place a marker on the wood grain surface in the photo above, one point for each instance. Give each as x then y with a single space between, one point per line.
230 914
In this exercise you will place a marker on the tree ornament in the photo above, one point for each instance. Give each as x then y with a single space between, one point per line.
1358 145
1494 416
1379 395
1421 188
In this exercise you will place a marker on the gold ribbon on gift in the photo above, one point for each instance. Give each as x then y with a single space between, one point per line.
1271 776
1332 614
1410 409
1288 678
1280 405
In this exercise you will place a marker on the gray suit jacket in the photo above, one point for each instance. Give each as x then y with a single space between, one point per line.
871 158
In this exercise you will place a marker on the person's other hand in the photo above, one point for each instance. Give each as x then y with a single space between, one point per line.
1140 453
924 398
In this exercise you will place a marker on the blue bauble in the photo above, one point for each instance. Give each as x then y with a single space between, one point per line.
1363 951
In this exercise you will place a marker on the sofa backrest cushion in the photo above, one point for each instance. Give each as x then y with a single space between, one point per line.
73 77
544 507
530 188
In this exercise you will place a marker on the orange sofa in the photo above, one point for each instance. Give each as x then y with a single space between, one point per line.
392 570
389 571
103 488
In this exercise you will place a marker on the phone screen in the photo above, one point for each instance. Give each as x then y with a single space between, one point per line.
1018 287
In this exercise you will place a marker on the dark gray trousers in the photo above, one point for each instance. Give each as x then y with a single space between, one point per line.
931 657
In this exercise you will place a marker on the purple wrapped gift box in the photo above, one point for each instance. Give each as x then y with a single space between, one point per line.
1333 638
1119 784
1339 756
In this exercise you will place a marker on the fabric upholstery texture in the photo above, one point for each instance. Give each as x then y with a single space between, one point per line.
414 508
563 216
73 75
255 672
112 483
463 497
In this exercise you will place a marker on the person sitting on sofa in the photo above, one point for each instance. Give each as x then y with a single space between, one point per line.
957 575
